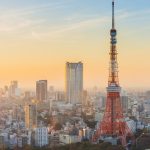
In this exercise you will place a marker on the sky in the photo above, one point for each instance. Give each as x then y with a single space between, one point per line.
37 38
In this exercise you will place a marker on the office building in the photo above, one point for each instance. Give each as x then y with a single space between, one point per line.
13 89
59 96
41 136
30 116
124 103
74 82
41 90
2 142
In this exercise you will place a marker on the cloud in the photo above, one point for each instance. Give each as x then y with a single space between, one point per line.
129 14
15 20
30 10
62 30
25 23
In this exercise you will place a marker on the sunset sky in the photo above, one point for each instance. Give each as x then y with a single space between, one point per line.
37 37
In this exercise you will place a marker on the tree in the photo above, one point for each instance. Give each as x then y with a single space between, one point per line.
57 126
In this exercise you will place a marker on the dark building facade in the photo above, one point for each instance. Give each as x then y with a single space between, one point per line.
41 90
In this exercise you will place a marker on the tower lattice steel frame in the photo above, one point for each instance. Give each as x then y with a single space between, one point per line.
113 123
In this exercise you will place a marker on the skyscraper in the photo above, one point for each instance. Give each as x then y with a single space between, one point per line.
41 90
74 82
13 88
30 116
124 103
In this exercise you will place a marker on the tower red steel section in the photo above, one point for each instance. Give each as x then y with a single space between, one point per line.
113 123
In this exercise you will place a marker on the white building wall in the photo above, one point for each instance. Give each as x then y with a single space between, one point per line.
98 116
131 124
74 82
68 139
41 136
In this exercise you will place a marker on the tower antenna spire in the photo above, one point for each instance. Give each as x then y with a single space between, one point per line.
113 14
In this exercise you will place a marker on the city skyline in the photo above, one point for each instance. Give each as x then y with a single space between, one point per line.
56 61
38 38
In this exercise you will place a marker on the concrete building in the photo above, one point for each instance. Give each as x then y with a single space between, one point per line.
99 116
59 96
85 98
51 92
27 95
124 103
147 107
30 116
68 139
41 136
131 124
74 82
85 133
41 90
13 89
12 141
2 142
53 138
99 102
22 141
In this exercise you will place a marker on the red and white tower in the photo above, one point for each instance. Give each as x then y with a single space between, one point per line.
113 123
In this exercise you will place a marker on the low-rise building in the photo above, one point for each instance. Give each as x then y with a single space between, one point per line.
68 139
2 142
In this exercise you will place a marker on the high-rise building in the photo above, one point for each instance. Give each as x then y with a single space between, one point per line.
41 136
13 88
27 95
30 116
41 90
124 103
59 96
124 98
85 98
74 82
2 142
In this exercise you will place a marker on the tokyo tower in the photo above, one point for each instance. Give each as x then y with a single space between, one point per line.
113 123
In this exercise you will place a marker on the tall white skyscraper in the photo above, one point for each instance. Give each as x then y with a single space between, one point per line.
74 82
